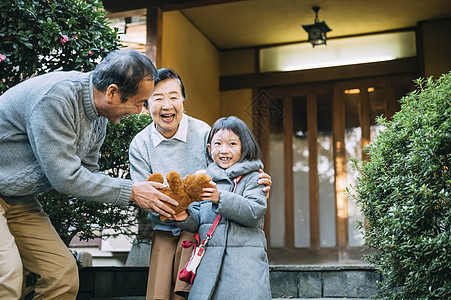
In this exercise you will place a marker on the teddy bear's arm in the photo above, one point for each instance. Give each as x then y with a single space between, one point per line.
194 185
156 177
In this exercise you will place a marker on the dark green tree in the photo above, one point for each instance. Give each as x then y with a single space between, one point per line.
404 191
38 36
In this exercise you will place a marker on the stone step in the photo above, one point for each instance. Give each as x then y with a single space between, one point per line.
143 298
324 281
287 282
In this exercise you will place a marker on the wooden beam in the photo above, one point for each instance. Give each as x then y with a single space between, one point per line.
114 6
393 67
127 14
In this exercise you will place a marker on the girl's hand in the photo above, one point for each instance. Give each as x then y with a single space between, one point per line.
181 216
211 194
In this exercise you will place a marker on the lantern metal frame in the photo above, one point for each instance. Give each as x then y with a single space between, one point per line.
317 31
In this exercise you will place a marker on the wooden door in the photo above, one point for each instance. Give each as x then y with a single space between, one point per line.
308 134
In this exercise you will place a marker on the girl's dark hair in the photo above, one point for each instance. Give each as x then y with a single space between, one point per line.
163 74
126 68
249 146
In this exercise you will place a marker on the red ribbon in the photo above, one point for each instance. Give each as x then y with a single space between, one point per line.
187 244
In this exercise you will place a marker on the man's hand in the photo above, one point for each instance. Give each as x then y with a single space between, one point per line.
146 196
266 180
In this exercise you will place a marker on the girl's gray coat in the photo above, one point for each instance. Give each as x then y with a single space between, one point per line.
235 264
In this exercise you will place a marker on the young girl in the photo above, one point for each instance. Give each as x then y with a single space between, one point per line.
235 264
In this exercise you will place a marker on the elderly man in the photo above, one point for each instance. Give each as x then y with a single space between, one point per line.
51 129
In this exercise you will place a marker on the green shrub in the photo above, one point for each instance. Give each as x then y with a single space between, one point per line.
38 36
404 191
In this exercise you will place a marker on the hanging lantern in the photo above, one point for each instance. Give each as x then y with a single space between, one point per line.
317 31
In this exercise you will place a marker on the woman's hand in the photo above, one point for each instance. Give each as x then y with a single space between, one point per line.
266 180
211 194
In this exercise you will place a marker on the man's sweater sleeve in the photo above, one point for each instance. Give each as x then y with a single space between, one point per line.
52 133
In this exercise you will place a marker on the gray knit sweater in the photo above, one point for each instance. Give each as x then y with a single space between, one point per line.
50 136
185 157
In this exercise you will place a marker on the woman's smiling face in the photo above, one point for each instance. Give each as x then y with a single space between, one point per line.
166 106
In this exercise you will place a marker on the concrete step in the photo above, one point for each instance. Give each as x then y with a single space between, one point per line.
324 281
143 298
287 282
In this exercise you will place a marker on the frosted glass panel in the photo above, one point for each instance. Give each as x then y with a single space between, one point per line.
353 135
326 172
339 52
300 173
277 198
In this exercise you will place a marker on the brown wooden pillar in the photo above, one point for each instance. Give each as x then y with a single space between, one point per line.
312 125
340 174
364 117
288 171
260 128
154 35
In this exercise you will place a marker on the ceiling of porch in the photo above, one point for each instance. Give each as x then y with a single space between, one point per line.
239 24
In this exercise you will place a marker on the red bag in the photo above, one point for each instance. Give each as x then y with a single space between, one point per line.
188 273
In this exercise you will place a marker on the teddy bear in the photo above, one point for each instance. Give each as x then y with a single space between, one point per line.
185 191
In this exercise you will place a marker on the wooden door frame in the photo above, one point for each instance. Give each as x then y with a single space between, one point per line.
346 252
342 251
287 94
